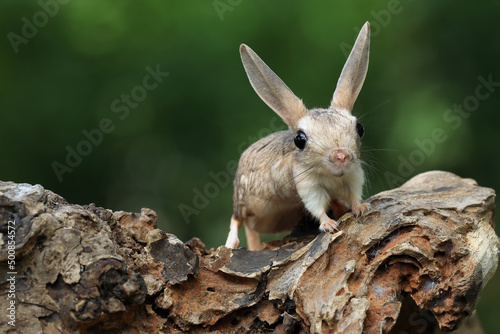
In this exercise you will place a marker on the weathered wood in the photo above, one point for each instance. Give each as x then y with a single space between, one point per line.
419 258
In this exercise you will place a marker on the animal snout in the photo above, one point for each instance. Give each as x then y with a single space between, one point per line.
340 157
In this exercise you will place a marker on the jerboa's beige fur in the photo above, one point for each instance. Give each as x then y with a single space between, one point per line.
277 181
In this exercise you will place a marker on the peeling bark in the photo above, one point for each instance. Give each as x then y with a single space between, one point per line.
417 260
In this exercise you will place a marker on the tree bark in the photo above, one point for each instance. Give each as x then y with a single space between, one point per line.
418 259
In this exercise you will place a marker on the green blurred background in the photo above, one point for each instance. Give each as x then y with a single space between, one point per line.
66 66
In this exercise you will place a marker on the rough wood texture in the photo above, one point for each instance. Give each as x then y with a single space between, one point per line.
420 257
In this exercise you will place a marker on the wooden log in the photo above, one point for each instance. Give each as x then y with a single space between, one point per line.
417 260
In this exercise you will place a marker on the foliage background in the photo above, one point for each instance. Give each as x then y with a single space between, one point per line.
426 56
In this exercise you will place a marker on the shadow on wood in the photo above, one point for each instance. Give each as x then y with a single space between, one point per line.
418 259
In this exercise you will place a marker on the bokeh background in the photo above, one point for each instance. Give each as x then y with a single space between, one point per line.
73 69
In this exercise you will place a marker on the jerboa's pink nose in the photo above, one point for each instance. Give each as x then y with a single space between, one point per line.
340 156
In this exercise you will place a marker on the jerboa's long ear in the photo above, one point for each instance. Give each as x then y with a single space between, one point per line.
271 89
354 72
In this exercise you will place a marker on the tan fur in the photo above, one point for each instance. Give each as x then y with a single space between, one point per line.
277 183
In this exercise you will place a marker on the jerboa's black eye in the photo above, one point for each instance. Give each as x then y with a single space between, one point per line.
360 129
300 140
